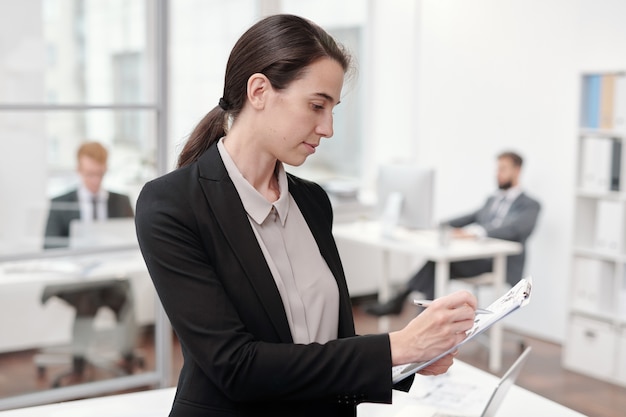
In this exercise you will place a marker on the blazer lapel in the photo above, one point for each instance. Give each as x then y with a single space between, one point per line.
484 213
328 249
226 205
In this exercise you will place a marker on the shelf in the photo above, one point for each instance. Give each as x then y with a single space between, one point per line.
599 254
584 131
601 195
596 312
608 318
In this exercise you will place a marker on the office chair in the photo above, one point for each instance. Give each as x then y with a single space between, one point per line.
89 345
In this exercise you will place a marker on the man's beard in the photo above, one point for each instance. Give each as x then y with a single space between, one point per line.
505 185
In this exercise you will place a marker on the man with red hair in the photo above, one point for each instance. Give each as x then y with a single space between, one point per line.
89 202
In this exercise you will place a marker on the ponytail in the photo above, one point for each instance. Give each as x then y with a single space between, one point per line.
210 129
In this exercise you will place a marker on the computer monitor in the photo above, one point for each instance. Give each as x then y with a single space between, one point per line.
406 196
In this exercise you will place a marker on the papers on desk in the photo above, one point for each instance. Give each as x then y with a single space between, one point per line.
443 392
515 298
40 265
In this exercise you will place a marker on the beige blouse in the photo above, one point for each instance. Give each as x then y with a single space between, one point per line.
306 285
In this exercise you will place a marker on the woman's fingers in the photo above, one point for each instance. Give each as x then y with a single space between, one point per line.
441 326
439 367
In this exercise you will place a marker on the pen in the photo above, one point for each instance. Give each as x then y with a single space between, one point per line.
426 303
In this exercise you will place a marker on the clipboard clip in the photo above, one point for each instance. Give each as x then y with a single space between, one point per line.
526 289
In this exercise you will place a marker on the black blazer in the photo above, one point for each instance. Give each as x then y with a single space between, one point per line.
64 209
517 225
221 298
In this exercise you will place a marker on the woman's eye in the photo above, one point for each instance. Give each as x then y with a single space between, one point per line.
317 107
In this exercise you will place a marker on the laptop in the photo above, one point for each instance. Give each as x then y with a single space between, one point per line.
488 409
111 232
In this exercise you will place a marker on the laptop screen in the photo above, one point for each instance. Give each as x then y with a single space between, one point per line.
112 232
505 384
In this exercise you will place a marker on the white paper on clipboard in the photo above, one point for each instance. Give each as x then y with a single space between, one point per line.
515 298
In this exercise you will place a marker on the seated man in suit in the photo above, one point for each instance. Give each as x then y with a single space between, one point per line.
509 214
90 202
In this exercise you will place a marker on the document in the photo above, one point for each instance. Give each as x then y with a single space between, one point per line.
515 298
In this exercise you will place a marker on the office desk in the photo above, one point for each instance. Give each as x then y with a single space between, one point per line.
519 402
157 403
426 243
22 284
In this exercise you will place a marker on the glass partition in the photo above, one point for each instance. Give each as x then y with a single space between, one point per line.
73 71
38 164
77 51
78 317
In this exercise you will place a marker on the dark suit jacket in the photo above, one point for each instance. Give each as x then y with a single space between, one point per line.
219 294
517 225
64 209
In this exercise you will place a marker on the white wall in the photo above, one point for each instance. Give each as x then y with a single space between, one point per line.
496 75
391 80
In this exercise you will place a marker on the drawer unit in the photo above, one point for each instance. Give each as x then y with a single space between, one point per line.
591 347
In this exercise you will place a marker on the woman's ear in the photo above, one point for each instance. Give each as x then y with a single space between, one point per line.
259 87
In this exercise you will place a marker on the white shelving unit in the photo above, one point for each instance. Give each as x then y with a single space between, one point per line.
595 344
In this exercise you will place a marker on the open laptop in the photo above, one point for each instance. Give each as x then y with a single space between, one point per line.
497 396
111 232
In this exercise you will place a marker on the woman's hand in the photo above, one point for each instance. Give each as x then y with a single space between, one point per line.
439 367
438 328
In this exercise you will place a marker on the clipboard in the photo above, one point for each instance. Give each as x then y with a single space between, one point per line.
514 299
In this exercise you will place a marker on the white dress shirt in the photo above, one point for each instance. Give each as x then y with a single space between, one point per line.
86 202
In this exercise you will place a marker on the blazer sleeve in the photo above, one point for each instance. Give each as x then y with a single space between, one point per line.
205 316
63 209
464 220
55 234
120 206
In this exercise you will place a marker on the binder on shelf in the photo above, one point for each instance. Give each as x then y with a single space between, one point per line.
609 226
621 300
616 165
607 101
619 104
592 286
596 162
591 101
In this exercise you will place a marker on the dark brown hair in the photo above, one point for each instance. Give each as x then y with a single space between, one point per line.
280 47
513 156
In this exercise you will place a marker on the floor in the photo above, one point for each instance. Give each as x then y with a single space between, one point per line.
542 374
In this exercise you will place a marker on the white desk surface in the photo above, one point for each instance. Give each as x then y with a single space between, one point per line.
424 242
519 402
157 403
72 269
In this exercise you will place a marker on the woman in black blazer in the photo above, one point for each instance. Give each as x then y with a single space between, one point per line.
213 275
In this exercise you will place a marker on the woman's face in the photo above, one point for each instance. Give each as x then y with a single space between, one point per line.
300 115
